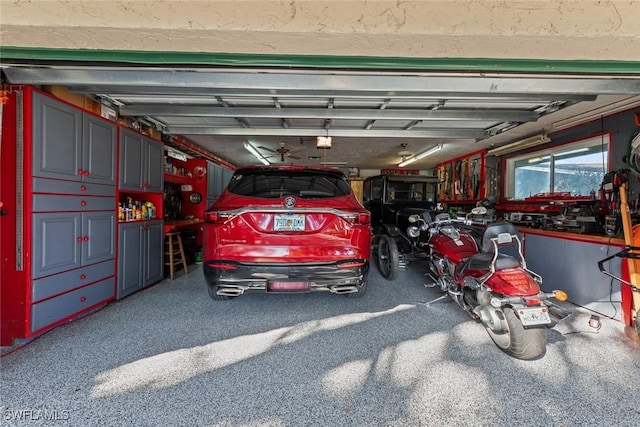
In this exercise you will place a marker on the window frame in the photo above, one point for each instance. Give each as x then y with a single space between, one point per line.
601 139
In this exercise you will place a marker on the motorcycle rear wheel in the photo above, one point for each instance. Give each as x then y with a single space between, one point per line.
388 257
517 341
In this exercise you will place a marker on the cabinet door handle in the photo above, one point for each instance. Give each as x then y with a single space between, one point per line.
83 203
83 188
83 276
79 239
83 299
86 238
87 173
80 172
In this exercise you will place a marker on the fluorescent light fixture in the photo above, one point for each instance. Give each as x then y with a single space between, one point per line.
578 150
333 163
256 153
538 159
176 154
520 145
420 156
596 113
323 142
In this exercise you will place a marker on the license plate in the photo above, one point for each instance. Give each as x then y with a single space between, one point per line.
288 286
289 223
534 316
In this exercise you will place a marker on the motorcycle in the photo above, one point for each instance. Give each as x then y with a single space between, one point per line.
495 288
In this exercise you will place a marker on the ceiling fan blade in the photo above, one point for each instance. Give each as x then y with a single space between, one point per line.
262 147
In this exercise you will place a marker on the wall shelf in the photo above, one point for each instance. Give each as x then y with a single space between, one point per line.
178 179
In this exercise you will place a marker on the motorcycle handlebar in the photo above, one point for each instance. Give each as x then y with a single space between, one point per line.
448 221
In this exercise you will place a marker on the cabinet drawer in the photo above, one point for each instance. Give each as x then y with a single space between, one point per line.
52 310
59 283
43 185
53 203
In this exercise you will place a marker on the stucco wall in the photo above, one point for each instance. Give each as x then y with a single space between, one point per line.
598 30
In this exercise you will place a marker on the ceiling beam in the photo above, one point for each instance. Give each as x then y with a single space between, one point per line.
169 110
356 133
140 93
333 82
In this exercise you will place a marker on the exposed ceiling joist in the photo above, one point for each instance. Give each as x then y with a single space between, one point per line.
334 81
372 133
140 94
165 110
369 111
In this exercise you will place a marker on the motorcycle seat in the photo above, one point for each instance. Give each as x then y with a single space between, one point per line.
482 261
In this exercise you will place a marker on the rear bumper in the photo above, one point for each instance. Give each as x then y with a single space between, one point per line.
232 278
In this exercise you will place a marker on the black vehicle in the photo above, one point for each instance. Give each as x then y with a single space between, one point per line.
391 199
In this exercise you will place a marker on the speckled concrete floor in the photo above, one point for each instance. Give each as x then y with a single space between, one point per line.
170 356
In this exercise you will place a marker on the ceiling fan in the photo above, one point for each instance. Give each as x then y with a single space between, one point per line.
281 151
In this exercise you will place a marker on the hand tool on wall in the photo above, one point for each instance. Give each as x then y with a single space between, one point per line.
441 182
449 182
458 178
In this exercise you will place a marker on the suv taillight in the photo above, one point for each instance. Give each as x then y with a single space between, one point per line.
211 217
358 218
216 217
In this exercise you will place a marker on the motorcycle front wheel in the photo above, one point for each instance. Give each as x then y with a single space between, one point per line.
517 341
388 257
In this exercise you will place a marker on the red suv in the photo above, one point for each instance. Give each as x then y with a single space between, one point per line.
280 229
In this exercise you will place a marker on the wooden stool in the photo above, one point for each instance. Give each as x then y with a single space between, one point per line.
173 247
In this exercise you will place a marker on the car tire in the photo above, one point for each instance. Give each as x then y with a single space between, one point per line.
388 257
214 295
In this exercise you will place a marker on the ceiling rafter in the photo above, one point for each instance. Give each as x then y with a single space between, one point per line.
382 106
164 110
218 108
334 81
285 122
225 104
373 133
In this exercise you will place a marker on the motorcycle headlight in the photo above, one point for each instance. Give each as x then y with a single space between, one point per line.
413 232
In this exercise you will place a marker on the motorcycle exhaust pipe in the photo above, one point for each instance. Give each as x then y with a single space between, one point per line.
230 292
344 289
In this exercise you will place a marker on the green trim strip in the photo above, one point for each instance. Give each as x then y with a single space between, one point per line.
322 61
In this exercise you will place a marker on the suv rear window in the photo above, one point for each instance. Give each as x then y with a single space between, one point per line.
274 184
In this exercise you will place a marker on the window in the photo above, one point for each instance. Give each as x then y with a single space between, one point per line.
373 189
576 168
276 183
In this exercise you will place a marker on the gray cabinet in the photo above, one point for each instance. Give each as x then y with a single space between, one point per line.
217 180
98 150
139 256
140 163
73 211
67 240
59 256
71 144
154 252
